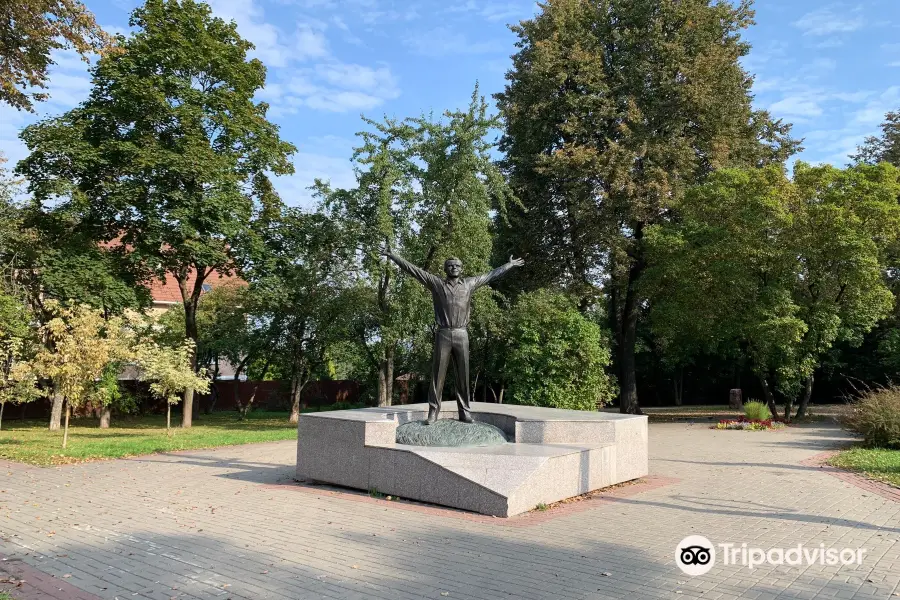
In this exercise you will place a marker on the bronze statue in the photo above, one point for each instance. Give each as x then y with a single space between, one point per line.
452 297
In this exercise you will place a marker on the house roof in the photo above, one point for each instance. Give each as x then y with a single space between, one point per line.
167 291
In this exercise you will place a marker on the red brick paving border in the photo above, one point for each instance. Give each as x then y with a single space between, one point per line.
879 488
562 509
24 582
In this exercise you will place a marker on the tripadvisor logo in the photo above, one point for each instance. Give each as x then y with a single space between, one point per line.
696 555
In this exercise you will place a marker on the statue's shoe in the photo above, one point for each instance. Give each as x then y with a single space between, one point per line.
466 419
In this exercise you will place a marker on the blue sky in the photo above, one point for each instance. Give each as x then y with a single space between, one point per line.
832 69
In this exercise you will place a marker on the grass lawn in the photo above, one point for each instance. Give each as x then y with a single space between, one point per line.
31 441
877 463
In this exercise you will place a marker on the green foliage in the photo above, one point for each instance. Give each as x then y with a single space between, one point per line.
757 411
884 148
612 109
169 370
31 30
777 270
168 160
426 186
556 356
80 346
876 416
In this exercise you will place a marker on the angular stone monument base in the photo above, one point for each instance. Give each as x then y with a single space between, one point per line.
552 455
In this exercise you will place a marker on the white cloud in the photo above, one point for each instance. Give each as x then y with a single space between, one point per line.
333 86
442 41
894 64
829 20
796 106
336 169
310 43
495 11
873 113
353 76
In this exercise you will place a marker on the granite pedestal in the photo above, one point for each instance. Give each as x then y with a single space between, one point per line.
552 455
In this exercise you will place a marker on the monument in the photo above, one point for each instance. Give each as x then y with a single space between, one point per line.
497 459
452 298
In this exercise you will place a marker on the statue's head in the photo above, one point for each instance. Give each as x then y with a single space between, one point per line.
453 267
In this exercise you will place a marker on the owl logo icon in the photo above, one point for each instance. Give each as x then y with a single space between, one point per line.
695 555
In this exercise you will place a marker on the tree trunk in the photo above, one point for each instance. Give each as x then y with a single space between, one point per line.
788 408
389 377
804 400
628 399
66 431
56 411
168 418
735 401
769 396
245 410
213 388
678 383
296 392
500 398
105 414
382 386
2 406
190 330
24 410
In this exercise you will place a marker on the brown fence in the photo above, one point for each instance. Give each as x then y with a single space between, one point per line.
271 395
275 395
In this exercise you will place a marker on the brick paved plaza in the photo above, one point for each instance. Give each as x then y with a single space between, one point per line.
231 523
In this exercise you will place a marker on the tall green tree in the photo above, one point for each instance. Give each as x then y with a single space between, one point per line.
169 156
779 269
296 278
427 187
611 110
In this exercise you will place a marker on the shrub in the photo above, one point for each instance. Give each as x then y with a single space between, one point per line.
557 356
757 411
877 417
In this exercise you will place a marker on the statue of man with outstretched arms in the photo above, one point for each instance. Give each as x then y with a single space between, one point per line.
452 302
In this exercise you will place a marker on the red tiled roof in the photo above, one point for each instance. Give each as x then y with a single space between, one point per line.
167 291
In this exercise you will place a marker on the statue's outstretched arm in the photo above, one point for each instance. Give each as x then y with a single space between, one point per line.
421 275
497 273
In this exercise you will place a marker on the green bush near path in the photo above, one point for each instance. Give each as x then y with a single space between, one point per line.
876 463
32 442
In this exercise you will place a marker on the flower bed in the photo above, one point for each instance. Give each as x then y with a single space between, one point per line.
748 424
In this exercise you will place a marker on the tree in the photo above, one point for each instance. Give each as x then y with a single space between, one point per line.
168 158
778 269
296 278
885 148
17 345
30 30
224 331
170 371
428 187
612 108
556 356
82 344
